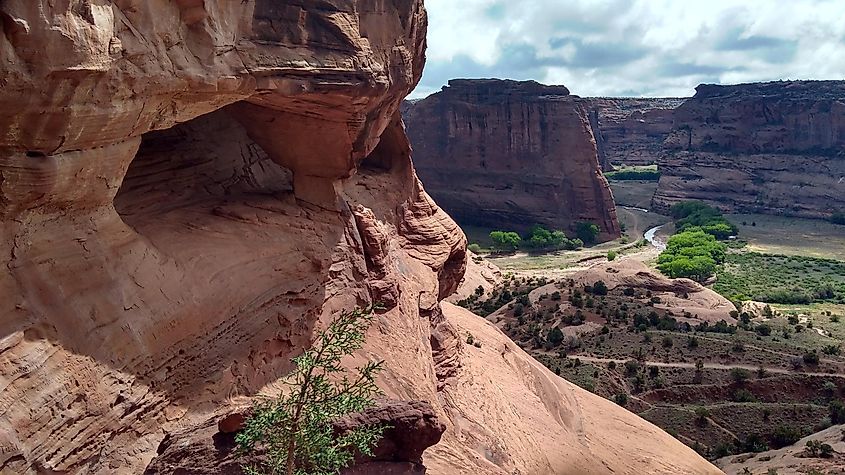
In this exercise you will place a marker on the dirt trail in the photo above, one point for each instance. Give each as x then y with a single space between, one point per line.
592 359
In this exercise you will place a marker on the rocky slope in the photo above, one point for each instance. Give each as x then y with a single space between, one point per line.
631 131
510 154
793 459
189 189
773 148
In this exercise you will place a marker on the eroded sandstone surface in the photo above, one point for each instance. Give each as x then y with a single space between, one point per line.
188 189
774 148
509 154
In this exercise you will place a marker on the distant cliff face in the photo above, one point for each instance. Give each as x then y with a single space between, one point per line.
510 154
631 131
775 148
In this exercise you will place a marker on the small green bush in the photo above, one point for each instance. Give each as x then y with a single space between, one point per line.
295 430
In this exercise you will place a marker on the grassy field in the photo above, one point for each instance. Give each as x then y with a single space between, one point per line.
781 279
791 236
634 173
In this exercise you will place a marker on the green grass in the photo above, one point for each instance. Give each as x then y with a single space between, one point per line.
791 236
638 173
781 279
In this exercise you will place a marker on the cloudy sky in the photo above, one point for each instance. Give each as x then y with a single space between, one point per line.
634 47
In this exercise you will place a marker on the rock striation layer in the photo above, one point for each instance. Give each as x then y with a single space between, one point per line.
774 148
631 131
189 189
508 155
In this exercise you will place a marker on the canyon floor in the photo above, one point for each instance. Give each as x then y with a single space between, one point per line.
741 387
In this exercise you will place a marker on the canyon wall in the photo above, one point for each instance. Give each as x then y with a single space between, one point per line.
630 131
774 148
188 190
508 155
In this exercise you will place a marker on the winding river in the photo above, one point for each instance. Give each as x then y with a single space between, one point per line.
651 236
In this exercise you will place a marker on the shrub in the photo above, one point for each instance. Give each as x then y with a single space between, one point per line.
621 399
295 429
819 449
611 255
811 358
475 248
555 336
763 330
632 367
600 288
832 350
692 342
743 395
784 435
518 310
837 411
701 415
740 375
668 342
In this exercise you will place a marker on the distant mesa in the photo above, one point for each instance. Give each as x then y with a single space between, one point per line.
510 154
773 148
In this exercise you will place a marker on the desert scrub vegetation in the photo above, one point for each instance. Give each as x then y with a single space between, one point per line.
781 279
295 429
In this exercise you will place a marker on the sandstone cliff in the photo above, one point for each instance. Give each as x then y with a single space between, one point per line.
509 155
773 148
631 131
188 189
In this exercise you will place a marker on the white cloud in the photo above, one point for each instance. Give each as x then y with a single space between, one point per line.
634 47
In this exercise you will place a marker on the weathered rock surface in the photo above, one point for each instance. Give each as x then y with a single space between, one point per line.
793 459
680 296
509 155
479 273
629 130
774 148
412 427
188 189
560 429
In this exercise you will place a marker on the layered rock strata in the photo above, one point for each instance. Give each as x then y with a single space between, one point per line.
631 131
508 155
189 189
774 148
